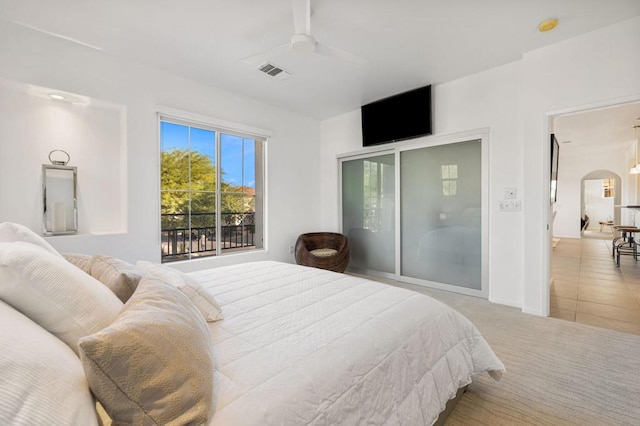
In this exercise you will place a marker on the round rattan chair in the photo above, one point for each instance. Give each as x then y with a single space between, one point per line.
324 250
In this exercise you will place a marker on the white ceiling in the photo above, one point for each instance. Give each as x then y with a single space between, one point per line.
598 131
404 44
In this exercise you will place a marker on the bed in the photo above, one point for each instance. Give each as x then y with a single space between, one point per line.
306 346
263 343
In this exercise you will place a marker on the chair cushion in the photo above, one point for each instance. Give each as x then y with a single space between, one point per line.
323 252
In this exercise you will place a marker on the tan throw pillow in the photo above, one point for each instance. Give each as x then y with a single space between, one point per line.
204 301
154 364
81 261
55 294
121 277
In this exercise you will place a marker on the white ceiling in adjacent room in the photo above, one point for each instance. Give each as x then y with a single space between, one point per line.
598 131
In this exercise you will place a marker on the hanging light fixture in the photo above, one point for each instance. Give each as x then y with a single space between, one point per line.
636 169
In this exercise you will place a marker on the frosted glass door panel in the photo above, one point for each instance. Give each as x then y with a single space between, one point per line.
368 212
441 214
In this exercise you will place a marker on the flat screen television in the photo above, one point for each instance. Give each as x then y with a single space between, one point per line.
403 116
555 157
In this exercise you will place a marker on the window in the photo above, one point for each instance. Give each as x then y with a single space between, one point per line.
608 188
449 174
211 191
377 179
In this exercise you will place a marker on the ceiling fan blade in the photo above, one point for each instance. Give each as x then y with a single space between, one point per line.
301 16
257 58
323 49
57 35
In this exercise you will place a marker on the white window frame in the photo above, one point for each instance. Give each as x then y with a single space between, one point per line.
186 118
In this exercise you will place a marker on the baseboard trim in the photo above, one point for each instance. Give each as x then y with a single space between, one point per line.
535 312
505 302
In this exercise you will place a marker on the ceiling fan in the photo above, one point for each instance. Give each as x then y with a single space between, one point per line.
303 42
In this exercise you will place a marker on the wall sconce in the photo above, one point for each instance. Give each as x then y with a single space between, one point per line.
59 195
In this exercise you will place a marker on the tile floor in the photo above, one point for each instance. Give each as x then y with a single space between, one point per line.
588 288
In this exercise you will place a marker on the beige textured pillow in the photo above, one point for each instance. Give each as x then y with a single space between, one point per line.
55 294
154 364
121 277
204 301
81 261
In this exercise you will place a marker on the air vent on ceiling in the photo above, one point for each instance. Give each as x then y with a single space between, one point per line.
274 71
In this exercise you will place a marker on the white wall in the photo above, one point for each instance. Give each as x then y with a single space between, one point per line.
92 133
596 69
515 102
488 99
37 59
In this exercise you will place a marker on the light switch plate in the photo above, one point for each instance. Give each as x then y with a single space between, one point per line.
510 193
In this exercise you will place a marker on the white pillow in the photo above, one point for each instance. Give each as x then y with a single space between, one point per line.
10 232
43 382
55 294
204 301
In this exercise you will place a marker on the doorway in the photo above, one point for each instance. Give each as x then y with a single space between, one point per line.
597 149
600 193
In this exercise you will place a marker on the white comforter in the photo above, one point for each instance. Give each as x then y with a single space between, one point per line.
306 346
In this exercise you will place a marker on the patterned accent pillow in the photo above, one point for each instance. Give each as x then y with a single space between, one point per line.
204 301
121 277
154 364
55 294
81 261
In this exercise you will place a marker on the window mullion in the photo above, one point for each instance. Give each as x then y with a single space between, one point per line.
242 198
218 197
189 189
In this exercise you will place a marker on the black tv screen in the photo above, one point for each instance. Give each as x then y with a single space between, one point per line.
403 116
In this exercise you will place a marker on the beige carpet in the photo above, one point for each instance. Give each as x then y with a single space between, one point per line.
558 372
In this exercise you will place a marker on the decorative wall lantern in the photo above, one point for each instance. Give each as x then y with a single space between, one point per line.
59 195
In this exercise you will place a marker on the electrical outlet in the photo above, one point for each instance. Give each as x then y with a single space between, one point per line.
290 249
510 206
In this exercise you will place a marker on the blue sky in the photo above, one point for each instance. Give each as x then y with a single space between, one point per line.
233 150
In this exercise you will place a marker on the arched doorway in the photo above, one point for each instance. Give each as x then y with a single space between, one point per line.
600 192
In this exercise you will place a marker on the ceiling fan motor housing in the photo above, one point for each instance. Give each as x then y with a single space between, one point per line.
303 43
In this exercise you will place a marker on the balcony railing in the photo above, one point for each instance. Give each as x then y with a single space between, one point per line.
181 241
